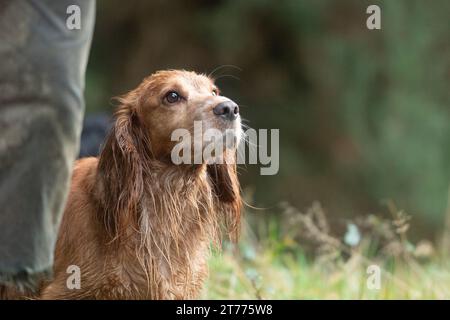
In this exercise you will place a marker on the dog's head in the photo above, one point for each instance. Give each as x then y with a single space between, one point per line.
168 101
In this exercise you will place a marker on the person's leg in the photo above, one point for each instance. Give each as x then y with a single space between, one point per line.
42 69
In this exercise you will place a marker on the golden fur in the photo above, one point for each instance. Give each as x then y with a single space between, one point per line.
138 226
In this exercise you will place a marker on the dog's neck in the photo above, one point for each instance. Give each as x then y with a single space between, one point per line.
178 202
178 222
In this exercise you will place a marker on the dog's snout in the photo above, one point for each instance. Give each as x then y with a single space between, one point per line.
227 109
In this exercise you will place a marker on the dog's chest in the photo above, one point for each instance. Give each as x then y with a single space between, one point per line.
172 251
178 277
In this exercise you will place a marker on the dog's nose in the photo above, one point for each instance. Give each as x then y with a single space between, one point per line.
227 109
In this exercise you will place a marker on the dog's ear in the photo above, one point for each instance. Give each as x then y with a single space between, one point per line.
224 180
226 187
124 160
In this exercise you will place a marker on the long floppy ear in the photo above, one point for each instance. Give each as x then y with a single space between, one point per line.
226 187
124 160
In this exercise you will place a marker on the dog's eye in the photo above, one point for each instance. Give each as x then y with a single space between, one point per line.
214 92
172 97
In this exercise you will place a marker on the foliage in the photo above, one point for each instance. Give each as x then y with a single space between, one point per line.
276 268
363 115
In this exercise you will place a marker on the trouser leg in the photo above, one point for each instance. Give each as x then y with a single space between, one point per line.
42 69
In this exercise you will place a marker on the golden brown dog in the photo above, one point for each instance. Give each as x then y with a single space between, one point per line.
137 225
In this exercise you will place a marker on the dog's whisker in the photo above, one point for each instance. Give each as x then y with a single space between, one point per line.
221 67
227 75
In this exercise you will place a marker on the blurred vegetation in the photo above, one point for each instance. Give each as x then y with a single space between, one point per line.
364 116
268 264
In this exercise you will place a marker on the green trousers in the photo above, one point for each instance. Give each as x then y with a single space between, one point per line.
42 70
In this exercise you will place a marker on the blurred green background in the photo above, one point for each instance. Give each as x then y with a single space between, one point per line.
364 116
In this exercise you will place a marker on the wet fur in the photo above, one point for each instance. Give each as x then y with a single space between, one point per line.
138 226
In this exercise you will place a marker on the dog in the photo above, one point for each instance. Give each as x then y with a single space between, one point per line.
137 226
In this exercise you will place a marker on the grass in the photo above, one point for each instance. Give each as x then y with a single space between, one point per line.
279 267
270 276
